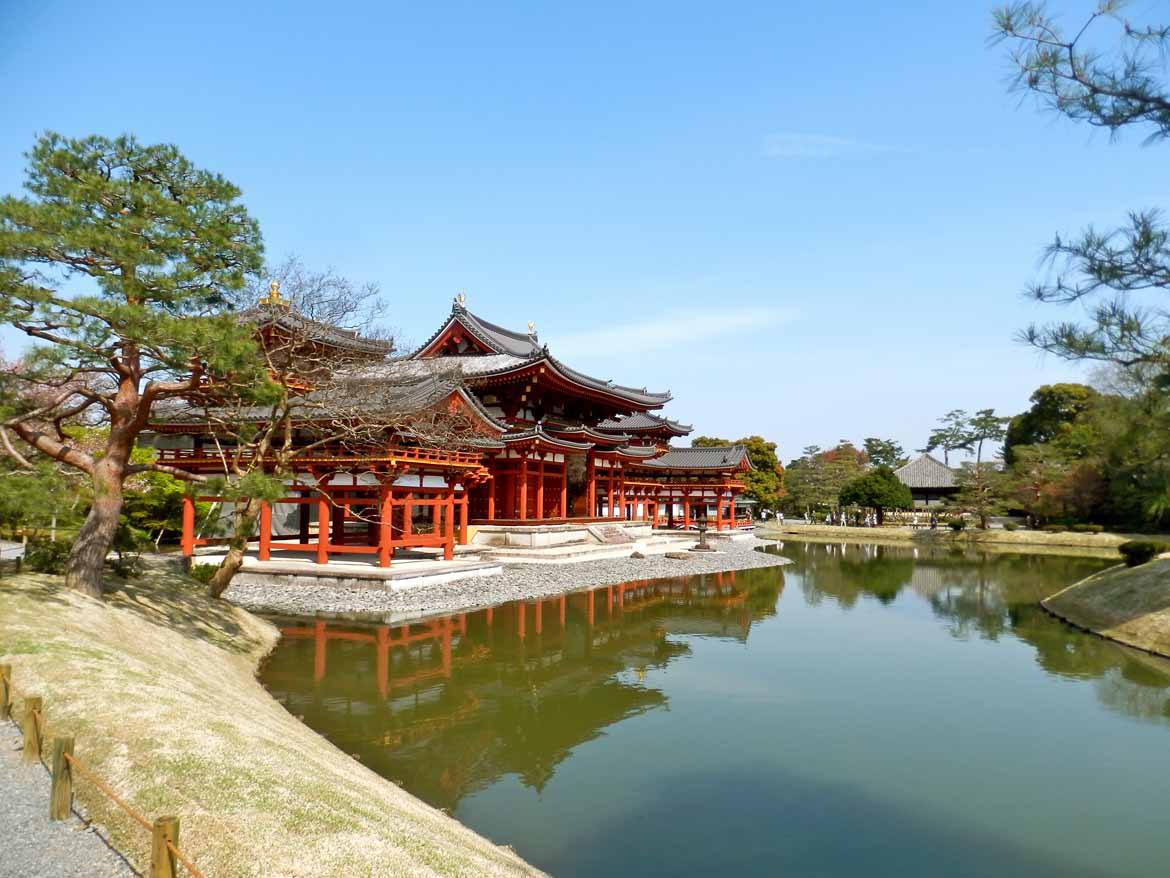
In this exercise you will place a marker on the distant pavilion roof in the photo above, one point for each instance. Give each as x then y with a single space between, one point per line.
926 472
284 317
643 422
724 457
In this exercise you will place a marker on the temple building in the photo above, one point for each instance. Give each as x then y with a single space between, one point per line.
552 445
931 482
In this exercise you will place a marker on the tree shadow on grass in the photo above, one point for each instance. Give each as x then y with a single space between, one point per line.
175 601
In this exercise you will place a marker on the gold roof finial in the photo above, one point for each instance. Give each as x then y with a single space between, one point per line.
274 298
531 328
461 299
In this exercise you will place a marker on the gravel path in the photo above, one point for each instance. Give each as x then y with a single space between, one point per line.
518 582
32 844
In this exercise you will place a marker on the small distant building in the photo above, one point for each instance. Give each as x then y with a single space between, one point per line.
930 481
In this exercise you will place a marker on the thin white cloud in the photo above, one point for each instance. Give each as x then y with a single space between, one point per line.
792 145
657 335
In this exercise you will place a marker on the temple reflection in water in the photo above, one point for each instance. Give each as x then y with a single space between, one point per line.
448 705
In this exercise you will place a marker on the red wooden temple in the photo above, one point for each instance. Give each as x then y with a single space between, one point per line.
558 447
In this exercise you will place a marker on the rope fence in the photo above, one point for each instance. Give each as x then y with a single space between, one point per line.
165 855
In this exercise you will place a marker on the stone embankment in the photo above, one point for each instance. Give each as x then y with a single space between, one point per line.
517 582
994 539
1130 605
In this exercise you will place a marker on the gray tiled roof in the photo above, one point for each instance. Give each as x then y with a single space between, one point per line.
537 432
926 472
496 338
311 330
640 421
725 457
514 349
374 398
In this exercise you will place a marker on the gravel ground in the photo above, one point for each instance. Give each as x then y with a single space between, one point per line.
33 845
518 582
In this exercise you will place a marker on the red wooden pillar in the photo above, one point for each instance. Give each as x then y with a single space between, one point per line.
540 488
322 530
609 492
591 486
437 516
265 530
463 518
622 492
449 524
686 510
385 526
188 526
524 487
493 486
564 505
408 516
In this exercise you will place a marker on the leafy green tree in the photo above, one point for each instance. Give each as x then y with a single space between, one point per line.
878 489
38 500
884 452
1055 408
1102 271
765 484
985 426
983 490
118 261
953 433
807 485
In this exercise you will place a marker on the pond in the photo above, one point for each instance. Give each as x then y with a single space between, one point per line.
866 710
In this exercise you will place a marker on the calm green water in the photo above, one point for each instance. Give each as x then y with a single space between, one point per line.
863 712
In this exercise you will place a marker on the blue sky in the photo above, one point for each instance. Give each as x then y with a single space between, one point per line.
808 221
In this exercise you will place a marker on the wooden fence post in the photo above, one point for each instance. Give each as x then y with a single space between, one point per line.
30 727
61 792
162 860
5 691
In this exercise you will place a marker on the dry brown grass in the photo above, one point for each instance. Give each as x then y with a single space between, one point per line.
1128 604
158 684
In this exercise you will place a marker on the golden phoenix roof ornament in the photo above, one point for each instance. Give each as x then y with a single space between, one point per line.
274 298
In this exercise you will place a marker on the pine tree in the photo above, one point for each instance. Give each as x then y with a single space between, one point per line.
118 261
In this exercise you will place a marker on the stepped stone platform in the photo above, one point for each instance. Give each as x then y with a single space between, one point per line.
409 570
577 543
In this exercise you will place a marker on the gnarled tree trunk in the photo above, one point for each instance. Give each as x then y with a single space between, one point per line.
83 571
245 521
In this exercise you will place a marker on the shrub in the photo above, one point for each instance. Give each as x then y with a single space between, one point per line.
43 556
1011 525
1137 552
203 572
957 524
129 543
1087 528
1054 528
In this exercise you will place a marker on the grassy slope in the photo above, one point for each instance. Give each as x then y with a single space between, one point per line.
1128 604
158 684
